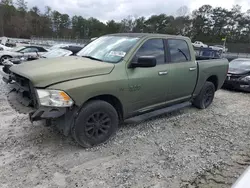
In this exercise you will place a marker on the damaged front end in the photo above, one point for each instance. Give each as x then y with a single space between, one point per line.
23 98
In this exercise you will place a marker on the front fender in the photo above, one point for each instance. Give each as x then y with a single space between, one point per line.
81 90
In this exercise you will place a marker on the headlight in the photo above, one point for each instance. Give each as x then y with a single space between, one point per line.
246 78
55 98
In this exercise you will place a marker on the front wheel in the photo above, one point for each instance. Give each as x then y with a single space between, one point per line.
206 96
96 123
3 58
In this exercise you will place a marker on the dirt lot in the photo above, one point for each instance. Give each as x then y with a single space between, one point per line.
188 148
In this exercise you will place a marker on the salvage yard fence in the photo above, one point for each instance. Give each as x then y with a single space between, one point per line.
52 41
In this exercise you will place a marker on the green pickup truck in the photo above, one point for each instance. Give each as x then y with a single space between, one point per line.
112 79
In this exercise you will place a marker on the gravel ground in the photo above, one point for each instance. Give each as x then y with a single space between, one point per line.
188 148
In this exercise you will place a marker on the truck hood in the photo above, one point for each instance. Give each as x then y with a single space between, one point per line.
238 71
45 72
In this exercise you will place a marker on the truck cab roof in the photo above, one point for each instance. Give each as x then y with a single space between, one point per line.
142 35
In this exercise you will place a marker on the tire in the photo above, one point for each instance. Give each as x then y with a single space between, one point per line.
3 58
205 97
95 124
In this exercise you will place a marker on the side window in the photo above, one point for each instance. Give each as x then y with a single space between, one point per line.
179 50
152 47
41 50
28 50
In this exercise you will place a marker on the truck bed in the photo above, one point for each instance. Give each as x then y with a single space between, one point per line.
211 69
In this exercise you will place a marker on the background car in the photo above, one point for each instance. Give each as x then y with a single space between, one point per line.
59 52
207 53
238 76
199 44
3 47
56 52
220 48
23 51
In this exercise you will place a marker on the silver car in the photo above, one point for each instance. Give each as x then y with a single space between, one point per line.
22 51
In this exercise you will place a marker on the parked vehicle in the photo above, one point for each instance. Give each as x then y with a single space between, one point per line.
114 78
3 47
23 51
220 48
199 44
244 180
238 76
60 52
207 53
57 46
63 51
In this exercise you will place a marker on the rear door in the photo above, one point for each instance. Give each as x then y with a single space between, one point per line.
182 70
148 86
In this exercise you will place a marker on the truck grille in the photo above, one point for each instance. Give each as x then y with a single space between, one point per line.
24 90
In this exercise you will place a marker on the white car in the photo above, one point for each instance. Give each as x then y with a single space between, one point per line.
19 52
2 47
199 44
219 48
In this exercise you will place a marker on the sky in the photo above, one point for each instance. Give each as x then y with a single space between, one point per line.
118 9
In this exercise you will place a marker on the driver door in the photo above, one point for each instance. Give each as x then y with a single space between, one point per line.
148 86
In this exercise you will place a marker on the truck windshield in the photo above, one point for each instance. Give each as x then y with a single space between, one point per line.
108 48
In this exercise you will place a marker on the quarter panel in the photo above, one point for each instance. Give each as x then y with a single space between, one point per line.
207 68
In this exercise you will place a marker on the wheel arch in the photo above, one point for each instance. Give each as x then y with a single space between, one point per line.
9 56
111 99
214 80
6 56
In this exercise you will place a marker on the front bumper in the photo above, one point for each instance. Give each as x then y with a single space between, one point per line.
5 77
237 84
46 113
61 117
23 99
20 104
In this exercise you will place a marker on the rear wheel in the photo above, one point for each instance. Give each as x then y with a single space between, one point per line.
206 96
96 123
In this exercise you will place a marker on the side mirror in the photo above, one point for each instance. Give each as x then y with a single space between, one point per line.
144 62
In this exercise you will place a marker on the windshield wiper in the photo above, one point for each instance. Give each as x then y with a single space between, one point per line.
90 57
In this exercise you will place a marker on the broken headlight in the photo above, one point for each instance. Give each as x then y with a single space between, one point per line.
54 98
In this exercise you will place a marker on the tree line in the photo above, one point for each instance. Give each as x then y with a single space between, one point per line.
207 24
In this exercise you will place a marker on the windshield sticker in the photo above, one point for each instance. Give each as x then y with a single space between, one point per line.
117 53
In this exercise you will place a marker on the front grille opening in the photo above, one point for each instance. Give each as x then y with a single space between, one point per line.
26 91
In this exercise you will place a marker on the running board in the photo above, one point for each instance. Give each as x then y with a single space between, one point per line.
155 113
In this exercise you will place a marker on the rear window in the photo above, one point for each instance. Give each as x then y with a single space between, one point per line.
179 50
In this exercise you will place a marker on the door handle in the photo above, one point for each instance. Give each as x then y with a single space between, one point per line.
163 73
192 68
